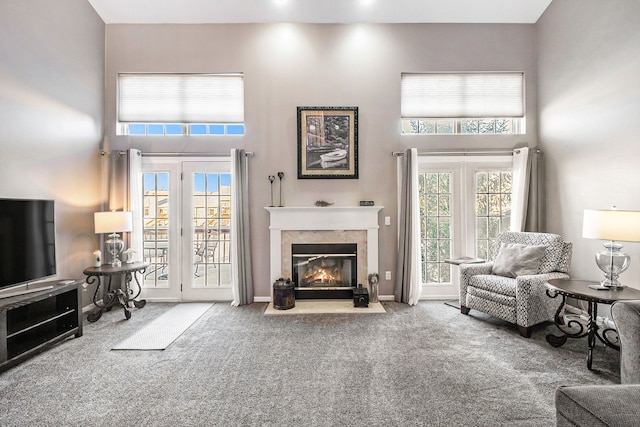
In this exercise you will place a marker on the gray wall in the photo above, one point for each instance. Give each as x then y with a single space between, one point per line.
286 66
52 62
589 110
51 116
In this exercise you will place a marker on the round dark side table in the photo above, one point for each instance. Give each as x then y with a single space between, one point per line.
580 290
123 295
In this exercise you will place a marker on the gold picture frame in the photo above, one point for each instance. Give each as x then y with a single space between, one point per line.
327 142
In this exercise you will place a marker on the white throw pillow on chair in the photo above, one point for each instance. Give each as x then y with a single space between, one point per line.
515 259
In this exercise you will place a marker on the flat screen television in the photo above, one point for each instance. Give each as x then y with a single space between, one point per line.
27 241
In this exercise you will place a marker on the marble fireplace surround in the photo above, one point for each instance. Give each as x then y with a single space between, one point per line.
331 224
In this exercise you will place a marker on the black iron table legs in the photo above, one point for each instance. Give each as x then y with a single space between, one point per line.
122 295
577 329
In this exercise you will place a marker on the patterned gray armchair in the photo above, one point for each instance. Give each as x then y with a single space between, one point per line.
512 287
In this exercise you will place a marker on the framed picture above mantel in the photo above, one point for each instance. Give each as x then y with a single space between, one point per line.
327 142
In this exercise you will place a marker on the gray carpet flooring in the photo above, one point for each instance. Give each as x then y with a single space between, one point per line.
426 365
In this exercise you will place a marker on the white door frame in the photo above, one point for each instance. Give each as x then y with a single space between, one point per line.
170 292
463 227
191 292
180 262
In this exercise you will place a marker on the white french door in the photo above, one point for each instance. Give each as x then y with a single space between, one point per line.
464 203
187 219
206 232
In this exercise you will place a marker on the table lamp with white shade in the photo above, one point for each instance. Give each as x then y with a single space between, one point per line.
614 226
112 223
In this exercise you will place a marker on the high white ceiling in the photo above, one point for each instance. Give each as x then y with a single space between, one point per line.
319 11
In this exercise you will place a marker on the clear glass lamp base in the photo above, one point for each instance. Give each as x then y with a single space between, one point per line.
612 261
114 245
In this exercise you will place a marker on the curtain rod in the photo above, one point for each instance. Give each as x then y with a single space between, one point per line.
464 153
183 154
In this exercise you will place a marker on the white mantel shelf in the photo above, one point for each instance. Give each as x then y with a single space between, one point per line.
322 218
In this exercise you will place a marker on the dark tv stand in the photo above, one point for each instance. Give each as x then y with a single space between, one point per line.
31 322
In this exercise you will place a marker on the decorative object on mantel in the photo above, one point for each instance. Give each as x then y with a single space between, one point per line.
283 294
366 203
322 203
327 142
374 282
280 175
271 179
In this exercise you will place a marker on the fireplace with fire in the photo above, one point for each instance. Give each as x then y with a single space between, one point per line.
324 270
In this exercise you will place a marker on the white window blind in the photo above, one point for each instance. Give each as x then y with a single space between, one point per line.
181 98
456 95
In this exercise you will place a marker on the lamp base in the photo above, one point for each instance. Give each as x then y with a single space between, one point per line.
612 261
114 245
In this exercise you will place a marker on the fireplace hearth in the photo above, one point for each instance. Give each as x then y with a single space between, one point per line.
324 270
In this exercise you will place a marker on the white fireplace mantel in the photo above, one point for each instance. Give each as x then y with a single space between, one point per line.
331 218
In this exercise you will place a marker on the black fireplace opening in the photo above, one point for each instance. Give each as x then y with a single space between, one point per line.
324 270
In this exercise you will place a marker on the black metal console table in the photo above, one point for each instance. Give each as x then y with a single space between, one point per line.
123 295
580 290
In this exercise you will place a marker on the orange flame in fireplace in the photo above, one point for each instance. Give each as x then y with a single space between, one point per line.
320 274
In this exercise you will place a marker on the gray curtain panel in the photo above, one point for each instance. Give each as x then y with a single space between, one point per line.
525 206
407 288
123 189
534 217
241 233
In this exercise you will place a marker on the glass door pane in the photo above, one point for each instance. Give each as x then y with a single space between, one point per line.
206 240
493 209
435 225
156 229
211 229
161 229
